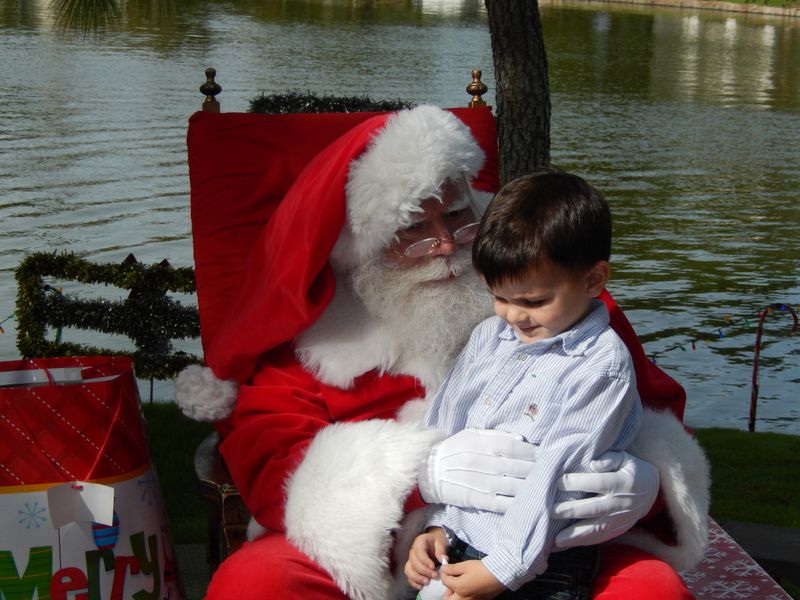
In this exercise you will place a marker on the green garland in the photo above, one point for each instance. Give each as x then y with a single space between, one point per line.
147 316
299 102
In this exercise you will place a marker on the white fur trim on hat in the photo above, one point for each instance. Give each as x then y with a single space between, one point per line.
202 396
405 163
685 481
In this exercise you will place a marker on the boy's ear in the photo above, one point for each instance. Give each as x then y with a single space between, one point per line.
597 278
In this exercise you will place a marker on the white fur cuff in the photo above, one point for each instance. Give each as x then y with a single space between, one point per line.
202 396
685 481
347 497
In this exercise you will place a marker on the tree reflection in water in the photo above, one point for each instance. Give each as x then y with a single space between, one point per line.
96 16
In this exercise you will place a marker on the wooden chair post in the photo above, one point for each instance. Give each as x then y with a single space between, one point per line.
227 514
210 88
476 89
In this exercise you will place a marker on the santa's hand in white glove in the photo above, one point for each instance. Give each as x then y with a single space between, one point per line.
624 488
476 468
484 469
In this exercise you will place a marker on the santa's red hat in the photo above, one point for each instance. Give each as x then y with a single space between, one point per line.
343 209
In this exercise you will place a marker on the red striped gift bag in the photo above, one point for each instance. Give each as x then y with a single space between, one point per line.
81 514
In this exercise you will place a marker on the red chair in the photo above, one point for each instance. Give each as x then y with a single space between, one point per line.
240 167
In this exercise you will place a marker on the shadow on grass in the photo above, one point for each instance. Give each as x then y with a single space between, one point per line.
173 439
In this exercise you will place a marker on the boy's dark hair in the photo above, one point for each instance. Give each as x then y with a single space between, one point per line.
548 215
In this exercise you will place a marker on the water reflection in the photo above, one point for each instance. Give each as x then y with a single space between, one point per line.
168 14
661 55
689 122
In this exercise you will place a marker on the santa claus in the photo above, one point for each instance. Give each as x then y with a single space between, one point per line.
319 378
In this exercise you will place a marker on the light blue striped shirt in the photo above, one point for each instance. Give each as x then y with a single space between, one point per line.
573 395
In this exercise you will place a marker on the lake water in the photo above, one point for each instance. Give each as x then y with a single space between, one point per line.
689 122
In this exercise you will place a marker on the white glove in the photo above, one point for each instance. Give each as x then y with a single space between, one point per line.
474 468
625 488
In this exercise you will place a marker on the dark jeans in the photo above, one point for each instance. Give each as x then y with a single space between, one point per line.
569 574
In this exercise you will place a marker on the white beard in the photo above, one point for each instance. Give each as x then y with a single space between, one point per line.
393 319
428 310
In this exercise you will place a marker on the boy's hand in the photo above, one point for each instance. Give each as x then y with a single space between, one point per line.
470 580
420 568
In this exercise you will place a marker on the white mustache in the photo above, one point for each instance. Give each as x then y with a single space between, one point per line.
444 267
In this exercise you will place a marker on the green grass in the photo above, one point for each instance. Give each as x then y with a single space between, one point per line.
776 3
754 475
173 439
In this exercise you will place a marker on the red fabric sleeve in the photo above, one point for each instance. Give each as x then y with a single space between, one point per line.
414 501
657 390
280 413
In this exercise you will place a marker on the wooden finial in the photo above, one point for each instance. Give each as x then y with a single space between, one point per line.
476 89
210 88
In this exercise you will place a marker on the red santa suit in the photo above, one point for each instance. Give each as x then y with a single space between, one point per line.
324 442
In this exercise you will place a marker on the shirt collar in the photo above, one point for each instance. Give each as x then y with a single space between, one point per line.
577 340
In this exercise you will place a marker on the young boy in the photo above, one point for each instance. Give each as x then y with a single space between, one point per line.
547 367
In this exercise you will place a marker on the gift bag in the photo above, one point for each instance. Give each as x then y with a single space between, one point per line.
81 514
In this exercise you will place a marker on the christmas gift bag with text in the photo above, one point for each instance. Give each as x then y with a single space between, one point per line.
81 514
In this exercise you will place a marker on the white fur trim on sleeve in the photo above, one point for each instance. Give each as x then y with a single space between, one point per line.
685 481
347 496
202 396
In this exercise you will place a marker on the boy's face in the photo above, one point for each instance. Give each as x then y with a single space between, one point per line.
548 300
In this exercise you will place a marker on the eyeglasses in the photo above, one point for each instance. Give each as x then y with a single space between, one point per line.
462 235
